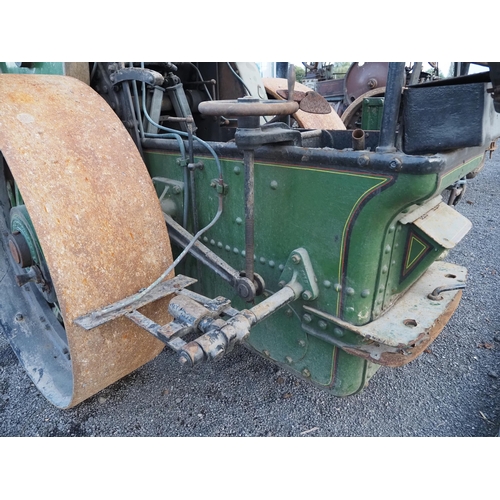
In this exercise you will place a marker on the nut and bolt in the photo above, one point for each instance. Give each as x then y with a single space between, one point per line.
266 353
19 317
176 189
282 283
307 318
296 259
307 295
323 324
395 164
306 373
289 360
302 343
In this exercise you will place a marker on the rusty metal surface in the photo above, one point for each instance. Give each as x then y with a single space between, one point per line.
96 214
298 95
403 332
315 103
330 87
395 357
330 121
363 77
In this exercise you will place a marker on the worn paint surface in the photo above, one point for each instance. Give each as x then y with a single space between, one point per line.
95 212
408 328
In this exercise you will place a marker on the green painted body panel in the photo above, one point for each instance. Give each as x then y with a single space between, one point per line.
345 210
36 68
371 117
347 221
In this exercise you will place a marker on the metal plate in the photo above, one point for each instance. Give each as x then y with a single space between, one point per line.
444 225
363 77
402 333
96 214
330 121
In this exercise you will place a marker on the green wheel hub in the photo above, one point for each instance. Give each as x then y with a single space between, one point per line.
26 250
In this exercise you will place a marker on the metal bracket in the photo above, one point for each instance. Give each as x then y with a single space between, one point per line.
252 138
124 306
138 74
402 333
299 268
171 199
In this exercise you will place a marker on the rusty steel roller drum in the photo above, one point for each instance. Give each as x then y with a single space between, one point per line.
99 223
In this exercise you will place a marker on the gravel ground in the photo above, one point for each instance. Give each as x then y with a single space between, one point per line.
453 390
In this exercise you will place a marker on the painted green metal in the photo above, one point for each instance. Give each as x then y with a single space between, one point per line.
34 68
372 110
347 220
346 217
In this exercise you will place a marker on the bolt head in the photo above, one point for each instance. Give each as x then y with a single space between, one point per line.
363 161
296 259
307 295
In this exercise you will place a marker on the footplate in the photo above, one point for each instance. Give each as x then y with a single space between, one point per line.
401 334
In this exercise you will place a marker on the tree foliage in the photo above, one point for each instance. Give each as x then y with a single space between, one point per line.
340 67
300 72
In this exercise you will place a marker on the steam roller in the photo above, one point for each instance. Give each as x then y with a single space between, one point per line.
84 228
318 247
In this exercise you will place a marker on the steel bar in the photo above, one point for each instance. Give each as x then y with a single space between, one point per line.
266 308
155 329
202 253
395 82
248 159
97 318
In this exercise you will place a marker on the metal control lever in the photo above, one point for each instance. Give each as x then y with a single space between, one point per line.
248 110
245 289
